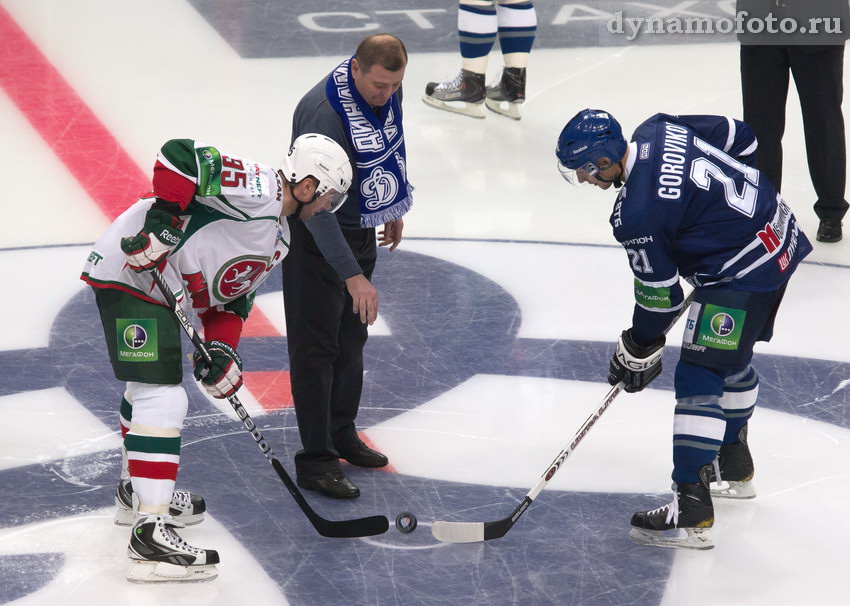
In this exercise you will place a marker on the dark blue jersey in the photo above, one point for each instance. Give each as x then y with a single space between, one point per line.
694 206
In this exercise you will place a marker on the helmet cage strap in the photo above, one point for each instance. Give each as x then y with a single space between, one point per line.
301 203
617 181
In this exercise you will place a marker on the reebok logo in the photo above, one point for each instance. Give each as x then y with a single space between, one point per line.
167 236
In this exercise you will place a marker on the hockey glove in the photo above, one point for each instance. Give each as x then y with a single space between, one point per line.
160 234
224 376
633 364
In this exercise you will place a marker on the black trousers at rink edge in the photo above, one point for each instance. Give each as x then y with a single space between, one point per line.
818 73
325 342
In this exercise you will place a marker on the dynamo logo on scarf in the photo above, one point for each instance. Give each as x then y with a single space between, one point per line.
379 150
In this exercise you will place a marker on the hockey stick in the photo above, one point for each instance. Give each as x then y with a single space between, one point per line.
473 532
361 527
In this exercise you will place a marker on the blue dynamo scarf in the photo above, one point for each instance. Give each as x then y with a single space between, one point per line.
380 156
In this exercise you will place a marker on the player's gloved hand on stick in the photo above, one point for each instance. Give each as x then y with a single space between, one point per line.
633 364
224 376
160 234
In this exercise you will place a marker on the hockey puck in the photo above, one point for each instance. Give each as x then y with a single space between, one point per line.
405 522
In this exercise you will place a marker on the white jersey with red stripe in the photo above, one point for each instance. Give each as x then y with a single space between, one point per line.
233 233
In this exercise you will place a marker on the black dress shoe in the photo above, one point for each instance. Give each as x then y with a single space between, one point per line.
331 484
361 455
829 230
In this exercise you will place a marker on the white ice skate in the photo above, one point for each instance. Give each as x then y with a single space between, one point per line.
185 507
159 555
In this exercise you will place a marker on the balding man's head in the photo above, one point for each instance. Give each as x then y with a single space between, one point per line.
381 49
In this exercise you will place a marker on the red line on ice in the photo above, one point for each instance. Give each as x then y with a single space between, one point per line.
80 140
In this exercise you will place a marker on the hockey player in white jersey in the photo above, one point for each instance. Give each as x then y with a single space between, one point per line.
691 205
213 225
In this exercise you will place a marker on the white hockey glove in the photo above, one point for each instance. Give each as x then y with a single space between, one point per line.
224 376
634 365
160 234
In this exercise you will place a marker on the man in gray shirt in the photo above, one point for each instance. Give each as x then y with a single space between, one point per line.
328 295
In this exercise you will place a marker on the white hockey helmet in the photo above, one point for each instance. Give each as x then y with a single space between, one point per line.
318 156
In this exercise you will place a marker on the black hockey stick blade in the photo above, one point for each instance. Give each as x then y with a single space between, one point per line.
343 529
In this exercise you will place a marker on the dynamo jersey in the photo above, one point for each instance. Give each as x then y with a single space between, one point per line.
694 206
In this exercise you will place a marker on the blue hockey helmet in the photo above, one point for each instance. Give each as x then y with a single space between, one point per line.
589 135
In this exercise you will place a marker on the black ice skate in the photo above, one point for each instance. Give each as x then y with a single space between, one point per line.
685 522
463 95
185 507
507 93
732 474
159 555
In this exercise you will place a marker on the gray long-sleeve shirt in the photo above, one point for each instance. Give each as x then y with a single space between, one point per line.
314 114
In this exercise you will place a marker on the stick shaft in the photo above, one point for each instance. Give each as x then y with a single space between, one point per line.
470 532
346 528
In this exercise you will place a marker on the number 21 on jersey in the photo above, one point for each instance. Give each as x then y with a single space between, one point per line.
704 170
639 260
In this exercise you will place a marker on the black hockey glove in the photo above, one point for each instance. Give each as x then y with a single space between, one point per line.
224 376
634 365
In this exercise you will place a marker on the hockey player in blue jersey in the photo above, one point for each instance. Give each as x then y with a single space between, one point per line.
691 205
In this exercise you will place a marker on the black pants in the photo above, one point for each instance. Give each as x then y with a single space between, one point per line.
325 342
819 76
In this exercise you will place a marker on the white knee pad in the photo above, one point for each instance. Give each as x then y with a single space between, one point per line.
158 405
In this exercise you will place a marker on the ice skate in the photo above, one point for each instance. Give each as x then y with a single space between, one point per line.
463 95
159 555
685 522
185 507
732 474
507 93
